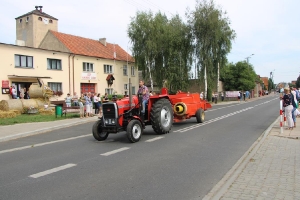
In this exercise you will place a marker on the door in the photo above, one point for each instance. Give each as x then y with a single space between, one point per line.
87 87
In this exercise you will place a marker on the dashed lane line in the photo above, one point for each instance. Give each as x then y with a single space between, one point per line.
154 139
50 171
115 151
42 144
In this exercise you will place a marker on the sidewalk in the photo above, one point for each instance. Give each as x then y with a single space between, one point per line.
270 169
19 130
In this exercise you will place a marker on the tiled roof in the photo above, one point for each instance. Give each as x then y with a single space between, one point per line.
39 13
90 47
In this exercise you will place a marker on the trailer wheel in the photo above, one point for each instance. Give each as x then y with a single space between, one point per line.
200 115
98 133
162 116
134 130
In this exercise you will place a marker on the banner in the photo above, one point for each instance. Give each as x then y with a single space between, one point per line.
88 76
232 93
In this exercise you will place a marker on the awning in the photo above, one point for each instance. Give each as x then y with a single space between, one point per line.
16 76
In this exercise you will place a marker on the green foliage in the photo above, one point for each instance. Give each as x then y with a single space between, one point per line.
271 84
239 76
298 82
26 118
209 94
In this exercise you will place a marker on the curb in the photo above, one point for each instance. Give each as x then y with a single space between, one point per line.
221 187
42 130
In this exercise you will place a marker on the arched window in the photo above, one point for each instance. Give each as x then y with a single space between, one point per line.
40 19
20 21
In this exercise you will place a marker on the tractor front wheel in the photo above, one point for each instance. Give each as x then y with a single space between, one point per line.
134 130
162 116
200 115
98 133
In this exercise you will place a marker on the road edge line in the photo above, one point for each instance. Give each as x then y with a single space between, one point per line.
222 186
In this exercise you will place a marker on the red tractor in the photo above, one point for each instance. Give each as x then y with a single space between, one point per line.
160 112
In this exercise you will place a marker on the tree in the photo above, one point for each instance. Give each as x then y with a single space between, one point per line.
162 48
213 37
239 76
270 84
298 82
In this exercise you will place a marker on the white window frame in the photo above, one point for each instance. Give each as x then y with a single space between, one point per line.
87 67
50 64
132 71
108 69
55 86
125 71
125 86
23 61
109 90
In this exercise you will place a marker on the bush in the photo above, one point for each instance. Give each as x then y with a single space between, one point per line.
209 94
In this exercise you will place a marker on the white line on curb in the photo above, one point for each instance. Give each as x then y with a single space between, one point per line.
50 171
42 144
115 151
154 139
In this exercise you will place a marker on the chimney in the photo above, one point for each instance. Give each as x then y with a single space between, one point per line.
41 8
36 7
103 41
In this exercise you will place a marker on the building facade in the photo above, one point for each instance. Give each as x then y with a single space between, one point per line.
64 62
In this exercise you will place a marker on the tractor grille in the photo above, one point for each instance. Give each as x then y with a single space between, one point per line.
109 110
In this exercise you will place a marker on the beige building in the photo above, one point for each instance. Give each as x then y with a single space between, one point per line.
65 62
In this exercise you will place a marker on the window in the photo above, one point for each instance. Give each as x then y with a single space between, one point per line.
133 90
40 19
109 90
55 86
23 61
125 70
50 21
88 67
108 69
20 20
125 86
132 70
53 64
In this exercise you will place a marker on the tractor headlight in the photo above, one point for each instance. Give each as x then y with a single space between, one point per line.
113 121
106 121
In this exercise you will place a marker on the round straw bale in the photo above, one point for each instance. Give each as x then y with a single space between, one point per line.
35 91
12 104
7 114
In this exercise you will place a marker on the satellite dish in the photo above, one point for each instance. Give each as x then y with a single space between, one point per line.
45 20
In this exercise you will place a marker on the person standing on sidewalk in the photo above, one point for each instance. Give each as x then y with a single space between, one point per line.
287 104
295 104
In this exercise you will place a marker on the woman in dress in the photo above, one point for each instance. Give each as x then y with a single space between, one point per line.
288 107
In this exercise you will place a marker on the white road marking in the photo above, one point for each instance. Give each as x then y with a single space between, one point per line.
50 171
42 144
115 151
219 108
154 139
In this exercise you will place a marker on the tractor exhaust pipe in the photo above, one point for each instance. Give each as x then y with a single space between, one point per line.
130 93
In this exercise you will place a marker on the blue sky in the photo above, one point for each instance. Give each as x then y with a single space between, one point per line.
269 29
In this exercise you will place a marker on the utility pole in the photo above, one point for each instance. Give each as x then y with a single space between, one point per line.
218 84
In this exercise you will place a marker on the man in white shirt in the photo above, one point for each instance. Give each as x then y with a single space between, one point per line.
14 92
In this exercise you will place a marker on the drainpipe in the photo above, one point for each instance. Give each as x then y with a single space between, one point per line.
69 74
73 73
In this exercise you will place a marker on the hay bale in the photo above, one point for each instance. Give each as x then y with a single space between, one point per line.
35 91
7 114
18 112
12 104
47 111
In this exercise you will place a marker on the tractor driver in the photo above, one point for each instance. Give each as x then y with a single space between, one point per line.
143 90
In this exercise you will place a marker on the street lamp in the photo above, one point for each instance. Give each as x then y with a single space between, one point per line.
247 58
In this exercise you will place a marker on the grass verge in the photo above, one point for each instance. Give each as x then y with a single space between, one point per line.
28 118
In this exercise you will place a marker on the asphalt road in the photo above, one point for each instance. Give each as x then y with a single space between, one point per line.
184 164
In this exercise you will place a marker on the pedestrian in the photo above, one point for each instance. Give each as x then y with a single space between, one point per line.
25 94
201 96
14 92
68 100
21 93
97 103
295 104
222 96
244 95
88 104
75 99
288 107
81 106
150 93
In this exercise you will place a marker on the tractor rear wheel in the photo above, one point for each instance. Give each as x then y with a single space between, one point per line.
162 116
98 133
200 115
134 130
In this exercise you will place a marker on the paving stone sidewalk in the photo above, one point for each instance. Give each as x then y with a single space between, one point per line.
274 170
